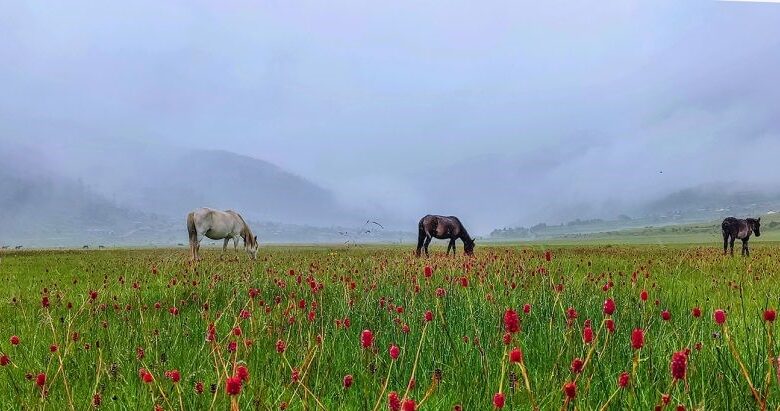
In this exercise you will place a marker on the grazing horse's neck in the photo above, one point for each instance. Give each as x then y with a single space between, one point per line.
464 235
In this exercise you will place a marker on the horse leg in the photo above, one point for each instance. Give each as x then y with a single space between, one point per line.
731 246
725 242
427 241
454 246
745 249
420 240
224 245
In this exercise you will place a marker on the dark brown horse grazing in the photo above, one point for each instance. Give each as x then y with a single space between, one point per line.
443 228
734 228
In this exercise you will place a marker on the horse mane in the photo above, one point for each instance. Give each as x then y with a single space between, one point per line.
463 232
249 238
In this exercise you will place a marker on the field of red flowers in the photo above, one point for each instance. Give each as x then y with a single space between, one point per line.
515 327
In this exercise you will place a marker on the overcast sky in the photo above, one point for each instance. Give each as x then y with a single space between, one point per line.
579 101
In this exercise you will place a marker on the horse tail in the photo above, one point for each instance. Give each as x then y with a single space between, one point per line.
193 232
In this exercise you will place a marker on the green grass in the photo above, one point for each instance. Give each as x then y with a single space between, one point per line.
463 344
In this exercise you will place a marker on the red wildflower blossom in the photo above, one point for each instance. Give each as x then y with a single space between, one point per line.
666 315
428 271
511 321
233 385
428 316
507 338
719 316
547 256
570 388
516 355
394 351
527 308
770 315
609 306
696 312
643 295
679 365
576 365
623 379
637 338
281 346
242 372
366 338
587 335
40 380
610 324
15 340
498 400
347 381
409 405
173 375
4 360
393 401
199 387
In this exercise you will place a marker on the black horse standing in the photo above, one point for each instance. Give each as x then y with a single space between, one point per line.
442 227
734 228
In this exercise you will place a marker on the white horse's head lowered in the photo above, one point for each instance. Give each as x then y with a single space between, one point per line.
251 246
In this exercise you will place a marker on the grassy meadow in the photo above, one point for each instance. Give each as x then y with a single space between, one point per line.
318 327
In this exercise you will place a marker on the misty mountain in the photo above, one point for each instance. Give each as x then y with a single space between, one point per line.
171 181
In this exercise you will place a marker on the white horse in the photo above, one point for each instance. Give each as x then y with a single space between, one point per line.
216 225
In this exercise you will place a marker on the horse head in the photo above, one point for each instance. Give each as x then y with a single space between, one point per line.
251 246
756 225
468 246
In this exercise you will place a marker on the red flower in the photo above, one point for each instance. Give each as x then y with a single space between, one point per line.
576 365
770 315
347 381
507 338
174 375
233 385
394 351
527 308
96 400
237 331
40 380
281 346
666 315
696 312
53 348
145 375
409 405
511 321
4 360
15 340
587 335
393 401
609 306
516 355
440 292
498 400
570 388
571 313
295 375
428 316
610 324
428 271
242 372
547 256
637 338
623 379
679 365
199 387
643 295
464 281
719 316
367 338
